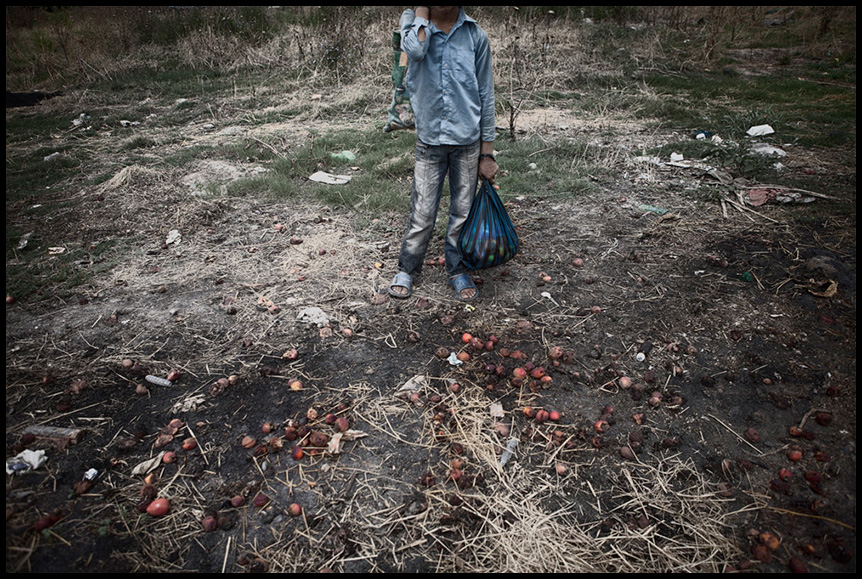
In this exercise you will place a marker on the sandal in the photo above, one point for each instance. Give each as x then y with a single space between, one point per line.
462 282
404 280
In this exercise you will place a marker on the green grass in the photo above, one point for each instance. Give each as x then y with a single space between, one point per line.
728 104
31 174
540 168
32 269
383 167
379 173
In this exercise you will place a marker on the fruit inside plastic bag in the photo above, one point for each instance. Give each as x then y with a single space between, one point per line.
488 238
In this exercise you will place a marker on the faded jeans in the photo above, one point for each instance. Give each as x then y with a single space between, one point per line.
432 165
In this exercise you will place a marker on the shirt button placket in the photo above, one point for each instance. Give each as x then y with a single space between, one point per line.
447 79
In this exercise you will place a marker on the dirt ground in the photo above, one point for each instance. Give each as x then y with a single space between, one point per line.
684 461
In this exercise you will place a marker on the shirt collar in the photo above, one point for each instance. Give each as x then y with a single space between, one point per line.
462 18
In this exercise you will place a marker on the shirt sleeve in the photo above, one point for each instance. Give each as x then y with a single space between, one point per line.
485 77
410 44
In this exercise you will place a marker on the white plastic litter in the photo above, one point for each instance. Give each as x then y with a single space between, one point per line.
760 131
173 237
26 461
508 452
414 384
329 178
767 150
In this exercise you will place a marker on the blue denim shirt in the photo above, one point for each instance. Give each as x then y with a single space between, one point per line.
450 80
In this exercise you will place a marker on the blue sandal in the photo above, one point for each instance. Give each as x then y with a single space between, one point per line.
404 280
460 283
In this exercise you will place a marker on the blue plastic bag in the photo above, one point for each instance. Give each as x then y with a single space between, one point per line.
488 238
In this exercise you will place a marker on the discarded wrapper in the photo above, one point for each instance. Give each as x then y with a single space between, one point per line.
25 462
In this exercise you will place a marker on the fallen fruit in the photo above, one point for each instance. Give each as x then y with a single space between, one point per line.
159 508
209 524
794 454
294 509
761 553
770 541
823 418
44 522
318 439
797 565
149 492
725 489
751 435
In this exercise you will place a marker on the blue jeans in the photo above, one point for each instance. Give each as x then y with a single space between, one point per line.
433 163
